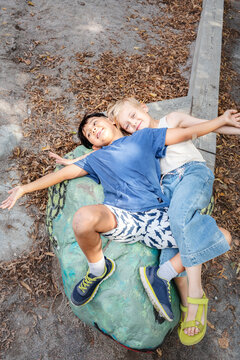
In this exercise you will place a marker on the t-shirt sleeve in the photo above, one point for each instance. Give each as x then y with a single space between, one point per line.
158 142
84 164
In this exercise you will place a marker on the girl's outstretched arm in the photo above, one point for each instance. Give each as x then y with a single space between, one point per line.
174 136
177 119
62 161
67 173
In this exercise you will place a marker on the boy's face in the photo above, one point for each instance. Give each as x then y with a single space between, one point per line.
133 117
100 131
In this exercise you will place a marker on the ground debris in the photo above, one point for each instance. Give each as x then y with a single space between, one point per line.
224 340
152 73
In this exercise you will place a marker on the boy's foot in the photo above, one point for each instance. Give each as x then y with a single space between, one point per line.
86 289
158 291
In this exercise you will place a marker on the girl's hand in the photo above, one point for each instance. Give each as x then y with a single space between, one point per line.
16 193
60 160
232 118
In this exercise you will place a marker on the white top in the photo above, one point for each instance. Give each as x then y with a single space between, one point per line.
178 154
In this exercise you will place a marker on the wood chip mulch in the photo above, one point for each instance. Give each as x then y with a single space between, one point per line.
227 183
152 74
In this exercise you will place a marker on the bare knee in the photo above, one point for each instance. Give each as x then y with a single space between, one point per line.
227 235
83 220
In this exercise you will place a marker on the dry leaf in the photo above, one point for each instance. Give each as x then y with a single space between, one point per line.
50 254
224 341
210 325
46 148
26 286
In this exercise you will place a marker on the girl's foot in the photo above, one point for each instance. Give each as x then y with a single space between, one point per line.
192 312
185 333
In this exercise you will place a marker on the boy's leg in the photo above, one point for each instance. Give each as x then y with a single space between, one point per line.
88 223
180 281
182 286
155 279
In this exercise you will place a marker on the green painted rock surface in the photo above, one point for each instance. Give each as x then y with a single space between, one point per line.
121 307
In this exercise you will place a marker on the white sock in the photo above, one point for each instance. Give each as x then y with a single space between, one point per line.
166 271
97 268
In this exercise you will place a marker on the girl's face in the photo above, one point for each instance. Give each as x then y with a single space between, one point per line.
132 118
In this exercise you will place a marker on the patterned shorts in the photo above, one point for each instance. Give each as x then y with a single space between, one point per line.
150 227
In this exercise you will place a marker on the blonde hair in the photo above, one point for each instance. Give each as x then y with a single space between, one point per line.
114 109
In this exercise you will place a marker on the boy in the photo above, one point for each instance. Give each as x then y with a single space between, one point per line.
129 189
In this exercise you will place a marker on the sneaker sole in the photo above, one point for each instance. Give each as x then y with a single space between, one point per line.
95 291
149 290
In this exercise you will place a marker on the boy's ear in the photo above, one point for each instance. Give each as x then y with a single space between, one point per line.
96 147
144 107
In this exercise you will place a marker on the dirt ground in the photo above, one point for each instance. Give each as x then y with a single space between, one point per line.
58 59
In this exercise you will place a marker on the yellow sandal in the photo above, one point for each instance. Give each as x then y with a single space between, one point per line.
183 311
192 340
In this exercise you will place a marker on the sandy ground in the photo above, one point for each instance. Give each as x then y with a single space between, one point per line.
61 28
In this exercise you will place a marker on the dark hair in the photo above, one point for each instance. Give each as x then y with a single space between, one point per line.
82 138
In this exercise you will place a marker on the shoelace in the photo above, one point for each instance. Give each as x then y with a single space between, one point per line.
169 291
87 281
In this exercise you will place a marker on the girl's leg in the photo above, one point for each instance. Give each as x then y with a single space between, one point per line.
195 289
197 236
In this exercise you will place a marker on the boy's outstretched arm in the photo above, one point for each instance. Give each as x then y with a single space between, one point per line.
67 173
174 136
177 119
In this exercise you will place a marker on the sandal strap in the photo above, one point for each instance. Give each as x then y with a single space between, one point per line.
197 301
183 308
192 323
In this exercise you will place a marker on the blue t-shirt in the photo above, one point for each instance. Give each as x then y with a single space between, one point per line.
129 170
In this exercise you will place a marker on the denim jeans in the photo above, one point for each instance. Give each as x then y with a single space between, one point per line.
189 189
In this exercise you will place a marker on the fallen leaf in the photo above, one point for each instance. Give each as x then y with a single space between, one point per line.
159 352
46 148
224 340
26 330
210 325
26 286
50 254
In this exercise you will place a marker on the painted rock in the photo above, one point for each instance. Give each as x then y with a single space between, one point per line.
121 308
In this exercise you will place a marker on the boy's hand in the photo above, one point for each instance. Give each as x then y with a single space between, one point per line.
16 193
232 117
60 160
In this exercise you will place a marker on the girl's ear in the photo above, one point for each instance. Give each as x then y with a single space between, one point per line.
144 107
112 120
96 147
